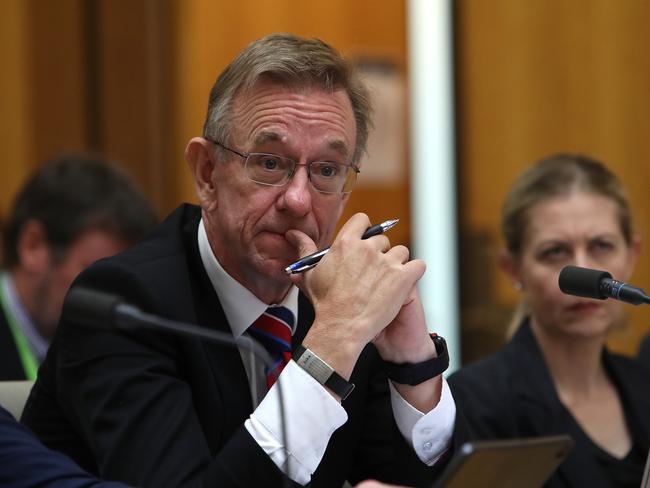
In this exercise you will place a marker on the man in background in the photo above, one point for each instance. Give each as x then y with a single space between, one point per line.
72 211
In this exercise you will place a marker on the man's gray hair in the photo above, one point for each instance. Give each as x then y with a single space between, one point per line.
292 61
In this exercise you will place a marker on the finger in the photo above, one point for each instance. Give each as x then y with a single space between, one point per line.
416 269
301 241
355 226
381 243
400 253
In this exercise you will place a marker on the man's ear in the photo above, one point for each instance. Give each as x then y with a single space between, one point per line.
32 248
199 157
510 266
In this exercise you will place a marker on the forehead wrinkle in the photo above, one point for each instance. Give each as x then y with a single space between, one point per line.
332 118
259 112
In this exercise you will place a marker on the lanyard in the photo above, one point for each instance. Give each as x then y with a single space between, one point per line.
27 358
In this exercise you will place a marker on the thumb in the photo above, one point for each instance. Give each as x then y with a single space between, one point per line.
301 241
305 246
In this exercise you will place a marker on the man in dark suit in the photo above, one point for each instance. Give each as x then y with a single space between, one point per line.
287 123
74 210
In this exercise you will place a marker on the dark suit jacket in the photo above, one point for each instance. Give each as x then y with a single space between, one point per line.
26 463
644 351
511 394
157 410
11 368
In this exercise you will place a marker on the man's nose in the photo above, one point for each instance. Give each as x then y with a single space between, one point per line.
297 194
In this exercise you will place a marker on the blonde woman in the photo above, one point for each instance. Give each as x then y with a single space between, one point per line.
556 375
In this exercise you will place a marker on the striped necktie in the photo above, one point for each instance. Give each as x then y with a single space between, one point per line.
273 330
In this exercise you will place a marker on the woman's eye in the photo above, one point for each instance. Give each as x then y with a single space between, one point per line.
553 253
602 246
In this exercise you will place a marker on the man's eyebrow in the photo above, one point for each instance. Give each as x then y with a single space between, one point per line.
337 145
267 136
340 146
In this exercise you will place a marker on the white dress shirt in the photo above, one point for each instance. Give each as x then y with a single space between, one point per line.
315 414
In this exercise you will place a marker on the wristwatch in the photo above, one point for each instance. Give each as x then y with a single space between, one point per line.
322 372
416 373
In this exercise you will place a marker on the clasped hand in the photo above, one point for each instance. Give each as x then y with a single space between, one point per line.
363 290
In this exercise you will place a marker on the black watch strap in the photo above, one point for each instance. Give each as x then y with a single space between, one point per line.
322 372
416 373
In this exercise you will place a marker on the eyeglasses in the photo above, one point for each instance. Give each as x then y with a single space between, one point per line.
274 170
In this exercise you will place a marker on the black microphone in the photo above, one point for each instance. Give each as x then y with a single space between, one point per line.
88 307
593 283
84 306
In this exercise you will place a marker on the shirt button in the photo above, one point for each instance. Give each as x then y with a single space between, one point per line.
426 431
427 446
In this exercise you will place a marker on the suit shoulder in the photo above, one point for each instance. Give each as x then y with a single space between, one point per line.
489 368
157 266
168 239
630 366
489 382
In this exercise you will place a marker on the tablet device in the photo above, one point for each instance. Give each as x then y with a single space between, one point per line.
507 463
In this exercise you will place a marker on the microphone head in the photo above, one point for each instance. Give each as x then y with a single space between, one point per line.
87 307
582 282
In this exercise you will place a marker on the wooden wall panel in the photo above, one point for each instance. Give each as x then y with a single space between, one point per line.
133 65
15 150
535 78
41 87
57 78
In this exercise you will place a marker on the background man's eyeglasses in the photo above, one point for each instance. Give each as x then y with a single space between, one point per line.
274 170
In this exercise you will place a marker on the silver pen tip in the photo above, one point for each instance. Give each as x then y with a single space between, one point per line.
389 224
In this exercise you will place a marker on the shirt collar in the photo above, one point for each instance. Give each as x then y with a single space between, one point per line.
37 343
241 307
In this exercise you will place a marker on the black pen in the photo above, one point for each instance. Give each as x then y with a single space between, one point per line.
312 260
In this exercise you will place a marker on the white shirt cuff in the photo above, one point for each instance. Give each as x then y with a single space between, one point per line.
430 434
314 414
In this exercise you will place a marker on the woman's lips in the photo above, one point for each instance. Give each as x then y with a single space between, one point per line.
585 306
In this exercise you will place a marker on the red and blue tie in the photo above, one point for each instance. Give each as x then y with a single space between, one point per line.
273 330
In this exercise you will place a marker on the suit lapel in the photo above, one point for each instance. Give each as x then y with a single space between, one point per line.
543 414
226 366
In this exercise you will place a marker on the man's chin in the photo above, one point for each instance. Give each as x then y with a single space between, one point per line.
273 266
